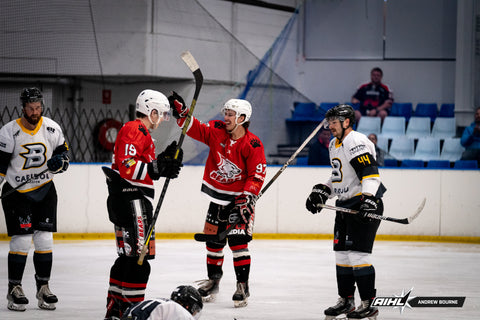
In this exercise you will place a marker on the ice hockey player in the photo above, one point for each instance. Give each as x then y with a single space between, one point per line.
234 174
28 146
185 303
355 181
131 193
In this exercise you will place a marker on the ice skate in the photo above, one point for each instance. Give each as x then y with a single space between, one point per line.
364 311
16 298
240 297
208 289
46 299
339 311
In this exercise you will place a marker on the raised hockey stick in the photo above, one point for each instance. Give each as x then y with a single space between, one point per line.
202 237
379 217
9 192
189 60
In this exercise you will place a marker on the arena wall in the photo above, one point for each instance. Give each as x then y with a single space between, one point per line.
452 207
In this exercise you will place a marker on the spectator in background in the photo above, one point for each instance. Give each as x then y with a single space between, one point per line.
471 139
318 154
380 152
375 98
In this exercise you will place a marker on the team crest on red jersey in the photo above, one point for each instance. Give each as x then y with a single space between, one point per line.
227 171
255 143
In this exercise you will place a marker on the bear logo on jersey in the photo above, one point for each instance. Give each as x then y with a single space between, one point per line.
255 143
227 171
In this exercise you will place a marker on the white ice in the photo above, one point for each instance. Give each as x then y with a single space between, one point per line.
289 279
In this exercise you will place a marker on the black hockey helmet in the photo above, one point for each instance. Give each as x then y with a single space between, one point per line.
341 112
189 298
31 95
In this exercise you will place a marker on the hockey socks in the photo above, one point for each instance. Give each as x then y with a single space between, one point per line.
128 282
16 266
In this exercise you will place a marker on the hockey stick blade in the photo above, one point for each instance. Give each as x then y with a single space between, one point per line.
202 237
192 64
379 217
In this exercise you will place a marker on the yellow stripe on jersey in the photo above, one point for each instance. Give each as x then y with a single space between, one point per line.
338 143
371 176
19 253
27 131
34 188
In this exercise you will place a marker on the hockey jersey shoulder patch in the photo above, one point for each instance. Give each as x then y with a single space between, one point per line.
255 143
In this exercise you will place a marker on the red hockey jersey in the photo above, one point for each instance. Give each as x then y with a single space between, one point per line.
134 148
233 166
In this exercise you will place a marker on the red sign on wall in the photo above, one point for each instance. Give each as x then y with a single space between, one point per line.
106 96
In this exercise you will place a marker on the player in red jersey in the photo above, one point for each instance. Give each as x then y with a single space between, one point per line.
131 193
233 177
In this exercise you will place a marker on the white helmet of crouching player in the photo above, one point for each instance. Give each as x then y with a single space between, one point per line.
149 100
241 107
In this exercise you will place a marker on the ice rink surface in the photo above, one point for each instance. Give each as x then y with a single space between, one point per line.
289 279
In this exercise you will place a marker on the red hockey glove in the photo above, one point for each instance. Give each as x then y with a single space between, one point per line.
244 208
177 105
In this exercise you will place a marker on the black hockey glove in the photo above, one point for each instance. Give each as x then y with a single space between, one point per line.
58 163
244 208
177 105
319 195
166 165
369 204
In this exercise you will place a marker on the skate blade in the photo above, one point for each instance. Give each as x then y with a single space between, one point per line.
46 306
210 298
371 317
339 317
16 307
240 303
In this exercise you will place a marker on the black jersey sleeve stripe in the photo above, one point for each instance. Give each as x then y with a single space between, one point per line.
365 165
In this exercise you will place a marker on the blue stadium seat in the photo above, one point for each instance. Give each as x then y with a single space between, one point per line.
302 161
452 150
426 110
393 127
447 110
391 163
438 164
403 109
368 125
466 164
428 148
303 111
412 163
324 106
418 127
402 147
444 128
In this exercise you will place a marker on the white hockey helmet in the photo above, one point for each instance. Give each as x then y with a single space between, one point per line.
149 100
240 106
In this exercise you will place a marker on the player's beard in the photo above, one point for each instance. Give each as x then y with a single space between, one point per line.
33 119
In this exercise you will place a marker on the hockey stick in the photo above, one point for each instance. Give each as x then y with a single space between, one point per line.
189 60
9 192
379 217
202 237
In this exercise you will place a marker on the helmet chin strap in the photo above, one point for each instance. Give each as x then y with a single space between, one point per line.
236 124
343 130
